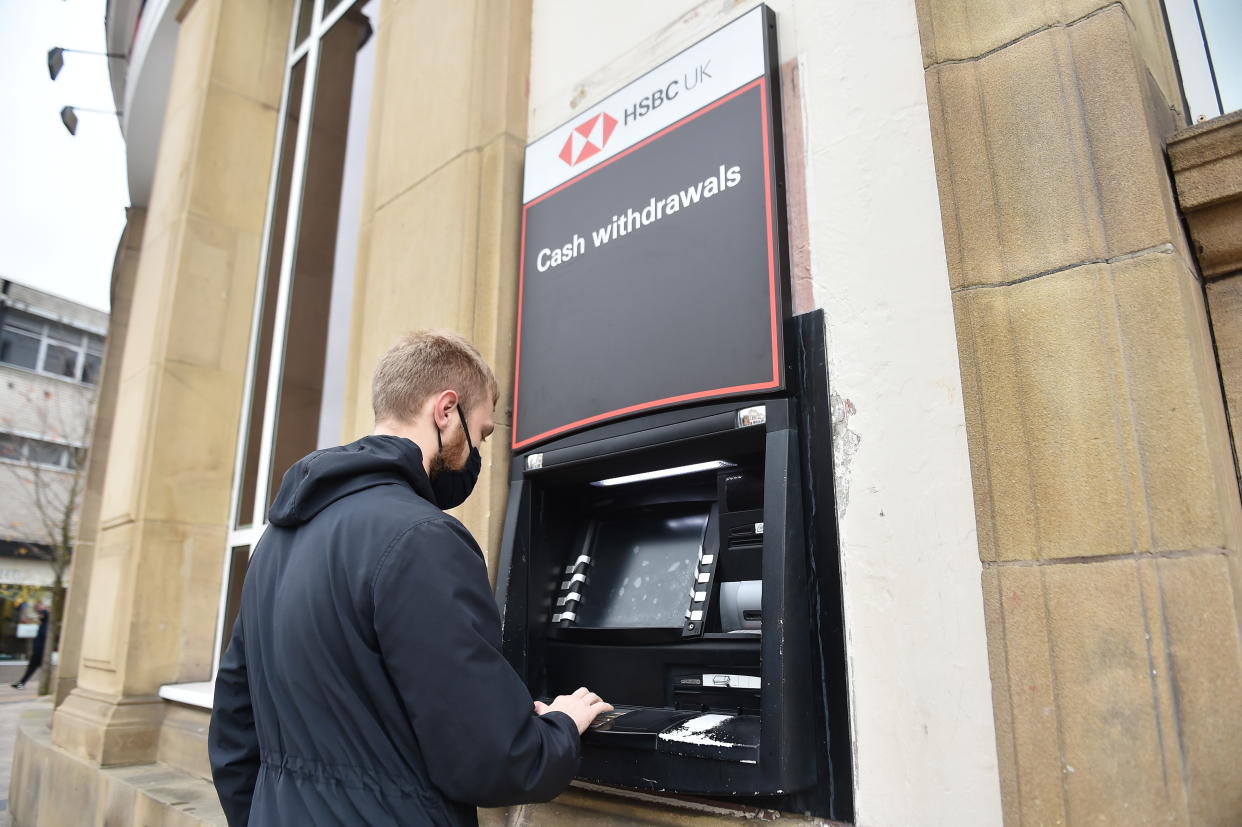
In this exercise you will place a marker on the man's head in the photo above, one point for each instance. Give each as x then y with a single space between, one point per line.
425 387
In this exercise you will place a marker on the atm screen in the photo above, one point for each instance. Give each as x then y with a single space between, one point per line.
642 570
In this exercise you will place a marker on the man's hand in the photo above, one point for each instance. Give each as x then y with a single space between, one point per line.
582 706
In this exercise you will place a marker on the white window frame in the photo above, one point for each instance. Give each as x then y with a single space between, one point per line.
89 341
27 437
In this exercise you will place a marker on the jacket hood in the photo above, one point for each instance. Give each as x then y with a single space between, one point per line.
320 479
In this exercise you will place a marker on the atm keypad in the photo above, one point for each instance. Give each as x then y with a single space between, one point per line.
700 591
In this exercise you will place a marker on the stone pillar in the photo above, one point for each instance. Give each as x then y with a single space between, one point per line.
438 241
124 270
154 582
1107 509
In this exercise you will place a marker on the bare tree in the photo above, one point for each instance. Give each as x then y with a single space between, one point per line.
54 483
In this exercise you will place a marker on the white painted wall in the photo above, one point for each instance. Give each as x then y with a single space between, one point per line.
924 739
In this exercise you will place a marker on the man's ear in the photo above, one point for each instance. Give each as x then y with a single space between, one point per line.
443 405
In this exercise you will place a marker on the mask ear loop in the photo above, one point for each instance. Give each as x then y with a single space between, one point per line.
464 427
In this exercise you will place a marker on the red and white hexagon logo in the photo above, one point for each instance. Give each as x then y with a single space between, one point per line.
587 138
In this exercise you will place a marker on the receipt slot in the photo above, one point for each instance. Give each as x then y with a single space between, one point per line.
682 564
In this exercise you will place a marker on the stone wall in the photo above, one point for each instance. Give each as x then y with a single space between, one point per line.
1107 509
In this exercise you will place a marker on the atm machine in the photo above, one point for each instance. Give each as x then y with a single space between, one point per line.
683 565
670 535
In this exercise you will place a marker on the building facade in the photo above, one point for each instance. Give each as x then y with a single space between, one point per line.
51 350
1028 261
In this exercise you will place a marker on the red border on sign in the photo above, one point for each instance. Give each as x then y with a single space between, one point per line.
761 82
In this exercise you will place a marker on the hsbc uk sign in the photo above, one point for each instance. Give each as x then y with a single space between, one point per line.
702 73
652 270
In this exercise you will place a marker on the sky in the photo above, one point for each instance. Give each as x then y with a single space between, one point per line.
62 197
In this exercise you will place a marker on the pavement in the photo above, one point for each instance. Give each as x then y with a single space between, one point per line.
13 702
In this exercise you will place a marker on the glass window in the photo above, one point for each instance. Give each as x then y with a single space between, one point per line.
23 321
45 453
91 365
1222 29
306 15
19 349
1209 64
65 334
10 447
313 212
239 562
61 361
63 347
267 320
306 331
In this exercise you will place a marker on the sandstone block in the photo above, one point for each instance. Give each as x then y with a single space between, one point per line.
961 29
424 124
1054 460
1201 630
1207 161
1046 157
233 161
1096 421
1175 403
500 221
1216 232
250 43
1224 297
1021 647
1120 759
421 262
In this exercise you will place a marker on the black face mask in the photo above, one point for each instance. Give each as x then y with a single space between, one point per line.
453 485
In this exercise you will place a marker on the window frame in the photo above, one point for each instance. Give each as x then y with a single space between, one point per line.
253 524
26 439
1192 57
88 341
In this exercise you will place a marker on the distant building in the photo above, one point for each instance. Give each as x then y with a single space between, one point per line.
51 352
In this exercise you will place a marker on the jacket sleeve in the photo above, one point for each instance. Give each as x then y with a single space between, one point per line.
232 744
439 634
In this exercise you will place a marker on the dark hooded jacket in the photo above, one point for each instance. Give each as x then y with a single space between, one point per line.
364 682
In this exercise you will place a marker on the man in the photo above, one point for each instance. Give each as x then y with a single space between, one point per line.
36 651
364 682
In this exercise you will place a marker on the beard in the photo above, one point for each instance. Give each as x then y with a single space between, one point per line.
452 447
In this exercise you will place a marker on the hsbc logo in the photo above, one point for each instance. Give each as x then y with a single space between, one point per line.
587 138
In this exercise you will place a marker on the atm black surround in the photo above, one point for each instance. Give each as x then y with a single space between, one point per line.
776 693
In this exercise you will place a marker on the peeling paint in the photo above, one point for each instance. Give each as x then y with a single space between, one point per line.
844 447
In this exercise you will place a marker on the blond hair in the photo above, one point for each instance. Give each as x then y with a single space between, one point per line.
424 363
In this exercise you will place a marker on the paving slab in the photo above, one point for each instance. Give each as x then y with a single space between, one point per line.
13 702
